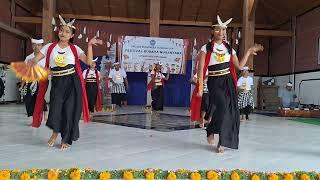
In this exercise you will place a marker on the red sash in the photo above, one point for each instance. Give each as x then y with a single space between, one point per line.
43 85
98 102
195 105
150 84
232 69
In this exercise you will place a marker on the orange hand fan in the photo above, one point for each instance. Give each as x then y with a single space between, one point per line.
29 72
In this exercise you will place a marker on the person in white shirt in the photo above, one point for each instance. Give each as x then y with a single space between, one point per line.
119 85
156 85
68 96
92 79
31 88
245 98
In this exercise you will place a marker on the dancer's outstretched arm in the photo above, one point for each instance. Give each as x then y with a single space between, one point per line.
251 51
88 58
201 60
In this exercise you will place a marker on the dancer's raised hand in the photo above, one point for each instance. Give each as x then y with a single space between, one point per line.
95 41
256 48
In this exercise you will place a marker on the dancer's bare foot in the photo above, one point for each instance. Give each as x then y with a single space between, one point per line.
45 119
210 139
206 123
201 123
46 115
52 139
113 108
64 146
220 149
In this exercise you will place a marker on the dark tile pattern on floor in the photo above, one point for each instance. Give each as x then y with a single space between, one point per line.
156 121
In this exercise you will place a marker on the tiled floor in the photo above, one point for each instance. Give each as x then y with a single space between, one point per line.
266 143
155 121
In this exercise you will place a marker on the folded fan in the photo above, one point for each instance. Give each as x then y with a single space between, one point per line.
30 73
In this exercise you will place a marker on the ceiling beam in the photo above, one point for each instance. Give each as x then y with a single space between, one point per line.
127 8
248 30
273 33
271 8
146 10
192 23
13 13
207 24
70 6
315 4
90 6
164 22
163 9
198 11
27 7
22 19
48 12
180 10
38 20
14 31
215 13
252 10
106 18
109 6
265 11
154 18
24 5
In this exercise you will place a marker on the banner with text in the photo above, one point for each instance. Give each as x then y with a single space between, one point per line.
139 54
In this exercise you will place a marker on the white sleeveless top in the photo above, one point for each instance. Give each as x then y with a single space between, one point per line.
91 74
158 77
61 57
219 55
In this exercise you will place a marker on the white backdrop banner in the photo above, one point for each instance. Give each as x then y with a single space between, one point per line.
138 54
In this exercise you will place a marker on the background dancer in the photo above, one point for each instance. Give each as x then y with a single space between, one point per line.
92 79
31 88
118 78
245 98
156 85
204 100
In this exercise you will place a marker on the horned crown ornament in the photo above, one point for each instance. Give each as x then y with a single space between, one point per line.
95 60
222 24
69 24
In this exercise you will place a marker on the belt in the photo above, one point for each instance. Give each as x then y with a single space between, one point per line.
219 72
91 80
63 72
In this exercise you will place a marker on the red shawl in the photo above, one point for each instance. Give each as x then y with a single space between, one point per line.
98 102
150 84
195 104
43 85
